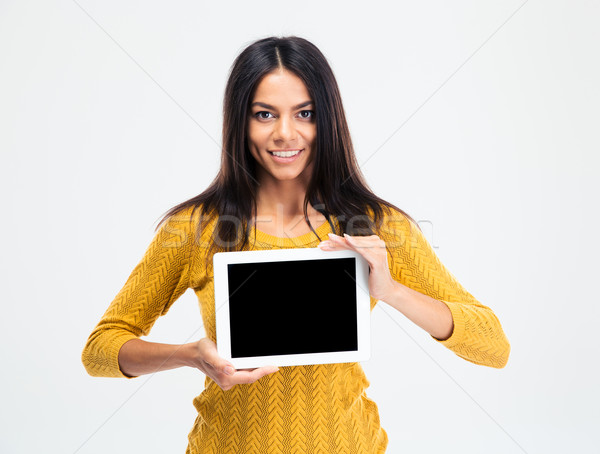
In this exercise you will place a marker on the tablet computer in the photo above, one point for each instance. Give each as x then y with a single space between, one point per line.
288 307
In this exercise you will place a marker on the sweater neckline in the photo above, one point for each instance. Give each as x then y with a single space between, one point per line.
296 241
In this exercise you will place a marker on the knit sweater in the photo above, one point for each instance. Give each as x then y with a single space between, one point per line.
309 409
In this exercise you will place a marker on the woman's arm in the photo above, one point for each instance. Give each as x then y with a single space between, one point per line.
432 315
406 273
159 279
428 313
138 357
477 334
114 349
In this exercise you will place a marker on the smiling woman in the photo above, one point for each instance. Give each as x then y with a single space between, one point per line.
287 161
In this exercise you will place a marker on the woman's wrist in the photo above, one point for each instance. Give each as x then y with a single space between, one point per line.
191 355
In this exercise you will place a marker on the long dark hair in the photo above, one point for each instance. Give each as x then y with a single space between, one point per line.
337 187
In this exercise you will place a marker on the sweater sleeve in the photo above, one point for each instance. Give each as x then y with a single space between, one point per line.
155 283
477 336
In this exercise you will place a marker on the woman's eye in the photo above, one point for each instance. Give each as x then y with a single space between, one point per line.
259 115
312 114
264 115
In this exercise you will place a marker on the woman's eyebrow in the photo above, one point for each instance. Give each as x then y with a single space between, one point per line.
268 106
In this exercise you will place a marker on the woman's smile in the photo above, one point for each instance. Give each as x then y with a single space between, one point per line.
285 156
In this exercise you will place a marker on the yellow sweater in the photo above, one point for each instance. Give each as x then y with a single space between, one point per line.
309 409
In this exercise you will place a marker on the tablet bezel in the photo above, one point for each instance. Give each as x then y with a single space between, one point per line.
221 286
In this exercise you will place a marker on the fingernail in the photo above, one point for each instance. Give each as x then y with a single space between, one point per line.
275 369
333 235
229 370
348 237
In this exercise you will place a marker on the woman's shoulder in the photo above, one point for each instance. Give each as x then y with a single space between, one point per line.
188 214
397 228
182 218
187 221
392 217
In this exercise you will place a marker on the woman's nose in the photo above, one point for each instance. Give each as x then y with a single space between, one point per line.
285 129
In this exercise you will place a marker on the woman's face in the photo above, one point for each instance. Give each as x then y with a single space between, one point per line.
282 128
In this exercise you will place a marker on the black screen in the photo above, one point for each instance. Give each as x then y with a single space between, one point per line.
292 307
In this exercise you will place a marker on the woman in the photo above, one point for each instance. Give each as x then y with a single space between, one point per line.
288 178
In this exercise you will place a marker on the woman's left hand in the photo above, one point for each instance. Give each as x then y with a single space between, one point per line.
372 248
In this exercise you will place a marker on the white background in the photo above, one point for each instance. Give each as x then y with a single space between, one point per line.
480 119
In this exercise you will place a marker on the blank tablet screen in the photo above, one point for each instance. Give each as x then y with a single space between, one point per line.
292 307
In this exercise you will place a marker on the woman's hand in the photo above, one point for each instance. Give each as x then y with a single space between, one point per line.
222 371
372 248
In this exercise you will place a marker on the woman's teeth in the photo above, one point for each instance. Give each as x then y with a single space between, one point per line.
286 154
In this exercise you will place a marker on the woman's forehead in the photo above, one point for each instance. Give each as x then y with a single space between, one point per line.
281 87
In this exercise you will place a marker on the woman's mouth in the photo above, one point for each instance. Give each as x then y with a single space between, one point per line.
285 156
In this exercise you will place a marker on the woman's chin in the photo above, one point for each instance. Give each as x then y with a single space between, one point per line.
285 176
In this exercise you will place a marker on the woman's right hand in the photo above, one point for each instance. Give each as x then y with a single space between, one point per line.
222 371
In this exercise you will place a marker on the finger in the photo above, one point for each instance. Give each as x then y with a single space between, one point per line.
326 244
228 369
351 241
251 375
218 364
338 242
372 241
370 249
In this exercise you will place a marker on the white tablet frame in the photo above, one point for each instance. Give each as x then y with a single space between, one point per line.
363 307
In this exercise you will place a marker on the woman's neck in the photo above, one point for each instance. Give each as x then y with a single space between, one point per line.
280 206
284 198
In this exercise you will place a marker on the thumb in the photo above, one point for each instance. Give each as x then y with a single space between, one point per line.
221 364
228 369
212 358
